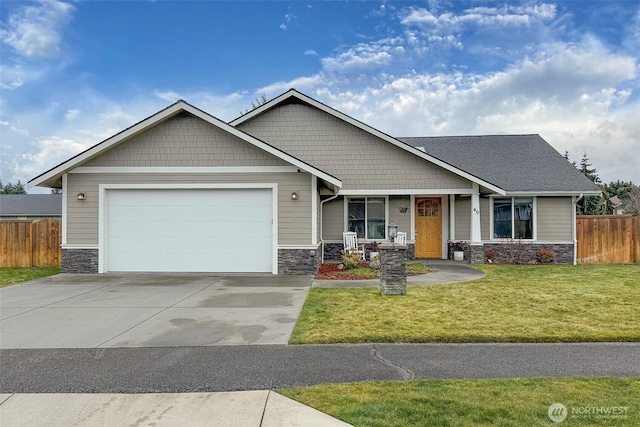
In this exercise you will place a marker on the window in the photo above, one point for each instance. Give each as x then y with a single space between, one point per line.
367 217
513 217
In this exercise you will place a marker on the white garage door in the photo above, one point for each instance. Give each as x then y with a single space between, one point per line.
189 230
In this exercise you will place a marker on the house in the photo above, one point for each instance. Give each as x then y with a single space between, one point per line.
616 205
30 206
273 191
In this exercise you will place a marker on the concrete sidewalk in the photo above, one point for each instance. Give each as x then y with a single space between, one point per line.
249 408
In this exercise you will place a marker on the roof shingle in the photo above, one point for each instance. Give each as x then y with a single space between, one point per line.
30 204
515 163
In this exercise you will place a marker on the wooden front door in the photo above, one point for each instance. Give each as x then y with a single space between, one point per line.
428 228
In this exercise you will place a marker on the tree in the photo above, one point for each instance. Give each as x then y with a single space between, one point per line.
627 191
631 204
587 171
17 188
592 205
56 191
256 103
620 188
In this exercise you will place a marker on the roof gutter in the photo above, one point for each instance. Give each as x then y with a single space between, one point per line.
322 202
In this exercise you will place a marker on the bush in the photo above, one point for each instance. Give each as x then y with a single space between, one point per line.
545 256
490 256
350 260
375 264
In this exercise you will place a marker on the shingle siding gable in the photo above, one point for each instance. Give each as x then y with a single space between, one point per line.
185 141
359 159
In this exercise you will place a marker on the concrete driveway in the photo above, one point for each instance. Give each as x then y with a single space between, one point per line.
150 310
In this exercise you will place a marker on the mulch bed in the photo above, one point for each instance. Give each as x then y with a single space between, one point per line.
332 271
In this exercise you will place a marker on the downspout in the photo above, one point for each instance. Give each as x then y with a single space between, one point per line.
322 202
575 231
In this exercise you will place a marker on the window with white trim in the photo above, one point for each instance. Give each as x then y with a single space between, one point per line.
367 217
513 217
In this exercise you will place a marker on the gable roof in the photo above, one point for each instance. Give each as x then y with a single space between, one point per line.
52 177
293 95
516 163
30 204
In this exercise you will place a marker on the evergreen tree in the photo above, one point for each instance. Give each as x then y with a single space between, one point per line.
620 188
592 205
17 188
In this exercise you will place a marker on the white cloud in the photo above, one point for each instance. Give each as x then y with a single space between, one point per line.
301 83
310 52
578 97
71 114
365 56
167 95
50 151
507 15
35 31
288 18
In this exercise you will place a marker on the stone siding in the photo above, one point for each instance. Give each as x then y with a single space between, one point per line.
529 252
475 254
298 261
79 261
393 270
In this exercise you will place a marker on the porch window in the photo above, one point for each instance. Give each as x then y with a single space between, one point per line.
367 217
513 217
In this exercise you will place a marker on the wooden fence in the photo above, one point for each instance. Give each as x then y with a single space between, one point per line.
30 243
608 239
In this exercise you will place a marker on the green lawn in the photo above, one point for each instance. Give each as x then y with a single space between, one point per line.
11 276
495 402
511 304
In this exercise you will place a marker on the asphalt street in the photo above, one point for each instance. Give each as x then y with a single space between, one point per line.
262 367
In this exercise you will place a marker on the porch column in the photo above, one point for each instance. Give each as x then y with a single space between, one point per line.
475 215
452 216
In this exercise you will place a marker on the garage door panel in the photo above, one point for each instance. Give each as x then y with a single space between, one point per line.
165 263
155 245
216 230
203 229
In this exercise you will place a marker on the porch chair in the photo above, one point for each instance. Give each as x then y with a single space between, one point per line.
401 238
350 241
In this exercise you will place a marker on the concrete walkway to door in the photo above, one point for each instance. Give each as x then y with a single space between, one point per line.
150 310
441 272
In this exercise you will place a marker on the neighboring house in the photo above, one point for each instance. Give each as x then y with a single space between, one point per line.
273 191
616 205
30 206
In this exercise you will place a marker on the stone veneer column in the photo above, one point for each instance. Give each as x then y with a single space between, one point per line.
393 269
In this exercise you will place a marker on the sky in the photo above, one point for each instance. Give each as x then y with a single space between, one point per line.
73 73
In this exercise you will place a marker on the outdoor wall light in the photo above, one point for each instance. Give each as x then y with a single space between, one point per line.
81 196
393 231
294 195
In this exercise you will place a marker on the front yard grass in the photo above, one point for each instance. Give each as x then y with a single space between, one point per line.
511 304
11 276
499 402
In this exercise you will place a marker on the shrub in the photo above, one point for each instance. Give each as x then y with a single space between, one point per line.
490 256
375 264
459 246
350 260
514 251
545 256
